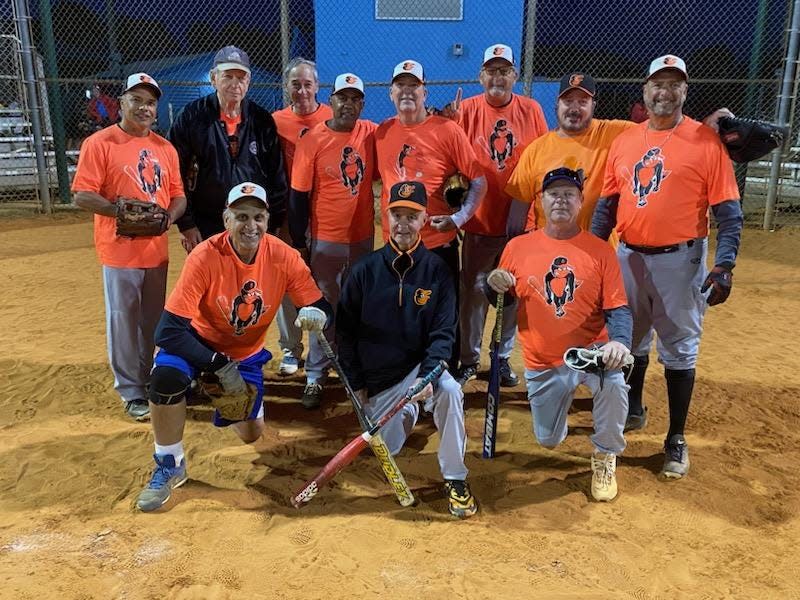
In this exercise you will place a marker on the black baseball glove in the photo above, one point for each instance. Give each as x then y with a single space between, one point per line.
748 139
455 190
136 218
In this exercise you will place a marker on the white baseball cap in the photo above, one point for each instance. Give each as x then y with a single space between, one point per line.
247 190
410 67
348 80
668 61
138 79
498 51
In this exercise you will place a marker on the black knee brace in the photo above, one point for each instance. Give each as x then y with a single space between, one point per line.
168 385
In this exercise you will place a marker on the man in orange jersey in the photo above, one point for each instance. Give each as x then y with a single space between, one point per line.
500 125
661 178
416 146
570 293
127 159
215 322
224 139
301 86
331 198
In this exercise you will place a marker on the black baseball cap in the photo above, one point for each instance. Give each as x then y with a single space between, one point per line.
410 194
576 178
577 80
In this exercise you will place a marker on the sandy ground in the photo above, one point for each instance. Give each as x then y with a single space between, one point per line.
72 464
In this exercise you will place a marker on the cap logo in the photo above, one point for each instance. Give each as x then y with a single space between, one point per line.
145 79
351 79
421 296
406 190
234 56
498 51
670 60
248 189
408 66
576 79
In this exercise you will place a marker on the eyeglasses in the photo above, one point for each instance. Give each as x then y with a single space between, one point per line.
502 71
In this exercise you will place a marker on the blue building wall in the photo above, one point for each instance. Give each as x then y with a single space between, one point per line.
350 38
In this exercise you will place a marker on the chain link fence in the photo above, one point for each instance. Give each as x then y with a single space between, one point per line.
736 51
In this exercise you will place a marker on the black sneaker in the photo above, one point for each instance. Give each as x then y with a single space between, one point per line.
507 377
635 422
138 409
466 373
461 502
676 457
312 396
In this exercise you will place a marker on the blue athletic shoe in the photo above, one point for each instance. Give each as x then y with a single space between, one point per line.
166 477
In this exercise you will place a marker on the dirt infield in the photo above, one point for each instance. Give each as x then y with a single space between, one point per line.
72 464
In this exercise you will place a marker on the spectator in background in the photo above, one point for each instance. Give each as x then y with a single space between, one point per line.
102 110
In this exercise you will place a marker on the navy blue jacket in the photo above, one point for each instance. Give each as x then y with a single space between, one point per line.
396 310
209 171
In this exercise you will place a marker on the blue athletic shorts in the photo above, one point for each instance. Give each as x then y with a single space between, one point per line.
250 368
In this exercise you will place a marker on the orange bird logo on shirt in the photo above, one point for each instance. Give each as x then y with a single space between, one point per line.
648 175
558 285
352 169
246 308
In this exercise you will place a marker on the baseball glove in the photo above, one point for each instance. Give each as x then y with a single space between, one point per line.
588 360
136 218
748 139
234 403
455 190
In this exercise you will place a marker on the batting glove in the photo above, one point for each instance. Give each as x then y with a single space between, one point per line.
720 281
311 318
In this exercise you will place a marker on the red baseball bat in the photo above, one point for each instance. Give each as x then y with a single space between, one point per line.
349 453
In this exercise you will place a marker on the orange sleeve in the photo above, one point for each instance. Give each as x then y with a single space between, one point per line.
463 154
303 164
721 177
610 183
91 170
520 185
191 286
299 284
176 181
613 286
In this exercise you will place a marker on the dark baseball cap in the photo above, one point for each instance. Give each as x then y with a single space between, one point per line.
230 57
410 194
576 178
580 81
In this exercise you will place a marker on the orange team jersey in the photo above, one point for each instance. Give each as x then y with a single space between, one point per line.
563 287
587 151
429 152
338 167
230 303
292 127
666 180
498 136
113 163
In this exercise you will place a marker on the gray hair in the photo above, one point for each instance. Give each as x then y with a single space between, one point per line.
296 62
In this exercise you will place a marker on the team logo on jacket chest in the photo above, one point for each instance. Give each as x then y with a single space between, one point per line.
245 310
351 169
501 143
558 285
648 175
421 296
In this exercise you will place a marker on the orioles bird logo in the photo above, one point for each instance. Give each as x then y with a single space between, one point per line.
145 79
406 191
149 172
576 79
351 168
670 60
408 66
351 79
247 307
498 51
248 189
421 296
648 175
501 143
559 284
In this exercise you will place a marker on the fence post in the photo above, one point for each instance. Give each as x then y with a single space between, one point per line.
56 108
29 74
784 102
528 43
284 34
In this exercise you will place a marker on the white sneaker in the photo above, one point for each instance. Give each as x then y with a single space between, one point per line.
289 364
604 477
